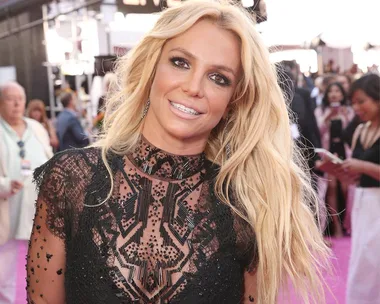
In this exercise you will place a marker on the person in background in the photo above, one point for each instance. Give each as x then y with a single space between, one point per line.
363 170
69 129
332 117
306 132
345 81
331 67
24 146
347 135
317 90
108 81
321 84
36 110
194 192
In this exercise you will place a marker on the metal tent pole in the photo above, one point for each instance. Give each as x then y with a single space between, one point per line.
48 65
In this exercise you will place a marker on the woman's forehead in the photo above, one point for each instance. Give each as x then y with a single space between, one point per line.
207 42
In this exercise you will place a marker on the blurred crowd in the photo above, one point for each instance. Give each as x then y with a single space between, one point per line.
337 112
328 109
337 125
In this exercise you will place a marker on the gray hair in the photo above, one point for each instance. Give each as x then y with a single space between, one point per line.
10 84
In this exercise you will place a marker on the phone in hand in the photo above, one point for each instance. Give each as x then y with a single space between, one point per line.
328 155
335 104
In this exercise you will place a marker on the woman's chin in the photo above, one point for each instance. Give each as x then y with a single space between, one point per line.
185 134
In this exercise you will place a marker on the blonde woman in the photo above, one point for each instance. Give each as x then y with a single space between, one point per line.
36 110
193 194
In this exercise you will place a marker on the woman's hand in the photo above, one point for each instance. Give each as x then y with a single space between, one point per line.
352 166
16 186
350 171
330 113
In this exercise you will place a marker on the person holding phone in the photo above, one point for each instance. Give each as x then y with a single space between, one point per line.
363 170
332 117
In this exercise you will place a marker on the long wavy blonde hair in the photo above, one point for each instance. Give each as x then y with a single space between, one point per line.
265 170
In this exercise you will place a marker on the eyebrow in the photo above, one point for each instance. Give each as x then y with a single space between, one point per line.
217 66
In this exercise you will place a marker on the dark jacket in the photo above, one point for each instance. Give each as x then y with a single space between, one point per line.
70 132
303 107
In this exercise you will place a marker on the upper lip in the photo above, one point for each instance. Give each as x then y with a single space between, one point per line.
188 105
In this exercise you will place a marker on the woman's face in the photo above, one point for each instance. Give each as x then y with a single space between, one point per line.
195 79
334 94
365 106
35 114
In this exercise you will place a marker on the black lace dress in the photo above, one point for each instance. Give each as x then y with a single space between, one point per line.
162 237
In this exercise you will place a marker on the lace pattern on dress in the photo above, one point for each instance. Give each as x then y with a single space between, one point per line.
162 237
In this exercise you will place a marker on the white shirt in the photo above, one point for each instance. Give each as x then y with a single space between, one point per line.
35 154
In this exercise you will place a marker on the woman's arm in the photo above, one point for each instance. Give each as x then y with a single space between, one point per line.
45 262
371 169
353 166
250 288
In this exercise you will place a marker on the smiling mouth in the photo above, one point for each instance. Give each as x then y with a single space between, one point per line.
184 109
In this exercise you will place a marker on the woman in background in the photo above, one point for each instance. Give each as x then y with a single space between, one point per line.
363 170
36 110
332 117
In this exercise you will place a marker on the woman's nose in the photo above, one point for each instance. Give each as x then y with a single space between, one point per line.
193 85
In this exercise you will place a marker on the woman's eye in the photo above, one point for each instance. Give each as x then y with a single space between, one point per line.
180 63
220 79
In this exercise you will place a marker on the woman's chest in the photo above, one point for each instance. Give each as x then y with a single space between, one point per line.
155 238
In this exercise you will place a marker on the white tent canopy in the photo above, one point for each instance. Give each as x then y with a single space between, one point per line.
340 23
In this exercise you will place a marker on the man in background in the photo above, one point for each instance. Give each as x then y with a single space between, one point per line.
24 146
307 132
69 129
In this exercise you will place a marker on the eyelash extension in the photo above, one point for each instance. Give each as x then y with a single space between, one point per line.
183 60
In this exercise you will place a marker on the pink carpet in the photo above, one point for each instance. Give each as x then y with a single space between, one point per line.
21 273
342 248
337 283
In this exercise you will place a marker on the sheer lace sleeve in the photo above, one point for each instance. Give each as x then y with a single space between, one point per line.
46 256
250 287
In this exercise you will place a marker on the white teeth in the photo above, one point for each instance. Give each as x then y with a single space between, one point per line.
184 109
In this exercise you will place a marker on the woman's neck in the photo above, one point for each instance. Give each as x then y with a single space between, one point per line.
173 145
